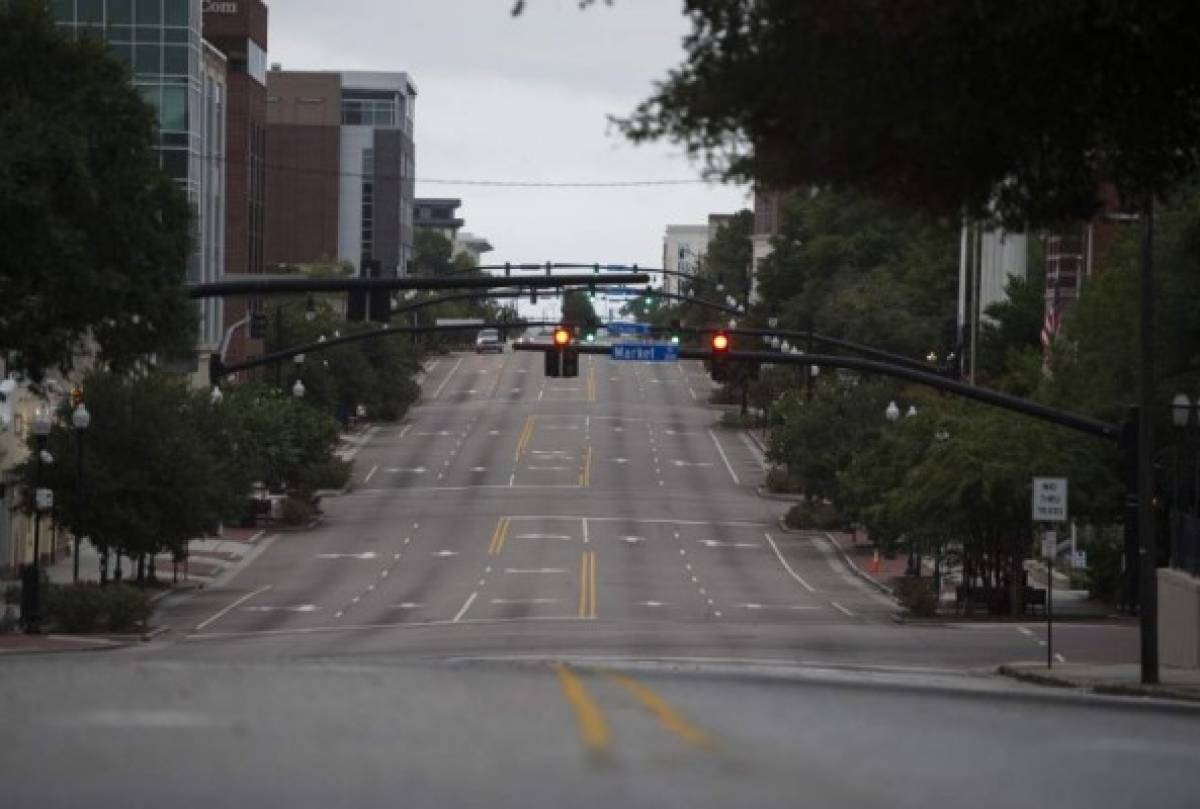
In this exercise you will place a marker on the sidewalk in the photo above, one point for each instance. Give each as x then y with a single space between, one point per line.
860 553
1116 680
858 550
208 558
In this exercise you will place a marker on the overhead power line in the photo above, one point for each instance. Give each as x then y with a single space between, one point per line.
488 183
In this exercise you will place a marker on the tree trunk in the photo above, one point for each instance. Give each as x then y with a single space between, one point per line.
1017 585
141 568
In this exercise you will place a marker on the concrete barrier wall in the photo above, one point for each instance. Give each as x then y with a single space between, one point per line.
1178 618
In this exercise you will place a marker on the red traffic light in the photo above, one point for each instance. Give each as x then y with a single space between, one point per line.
562 336
720 342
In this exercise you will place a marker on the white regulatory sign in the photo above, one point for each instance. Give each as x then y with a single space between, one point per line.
1049 499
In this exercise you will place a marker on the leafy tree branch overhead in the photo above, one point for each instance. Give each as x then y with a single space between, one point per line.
96 236
1016 109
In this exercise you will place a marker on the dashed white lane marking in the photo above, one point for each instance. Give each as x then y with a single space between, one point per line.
524 601
788 567
408 605
520 570
565 537
444 554
842 609
470 600
795 607
238 603
653 604
725 458
1025 631
1059 658
585 530
371 474
297 608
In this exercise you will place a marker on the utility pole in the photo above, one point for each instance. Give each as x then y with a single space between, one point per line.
1147 550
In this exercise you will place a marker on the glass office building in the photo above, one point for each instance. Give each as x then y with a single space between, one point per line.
161 41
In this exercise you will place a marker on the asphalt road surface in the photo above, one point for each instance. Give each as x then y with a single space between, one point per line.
541 592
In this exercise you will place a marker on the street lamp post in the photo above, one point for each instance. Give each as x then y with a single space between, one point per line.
81 419
33 578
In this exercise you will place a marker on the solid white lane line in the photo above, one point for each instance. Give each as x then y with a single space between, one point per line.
786 566
842 609
371 474
725 458
235 604
647 520
442 386
585 530
465 607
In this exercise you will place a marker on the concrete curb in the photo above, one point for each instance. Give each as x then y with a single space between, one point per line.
883 588
94 645
767 494
880 586
1102 689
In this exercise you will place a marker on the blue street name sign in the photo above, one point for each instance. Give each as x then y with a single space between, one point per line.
645 353
622 327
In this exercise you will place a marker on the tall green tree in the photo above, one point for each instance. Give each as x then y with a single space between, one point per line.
433 253
577 307
1018 109
153 478
95 237
856 267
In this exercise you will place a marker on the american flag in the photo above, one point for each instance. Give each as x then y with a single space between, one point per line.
1052 323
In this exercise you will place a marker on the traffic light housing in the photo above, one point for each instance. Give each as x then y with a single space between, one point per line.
258 325
563 359
570 362
719 343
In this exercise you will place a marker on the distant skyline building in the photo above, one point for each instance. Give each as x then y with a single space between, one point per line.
684 248
340 179
238 29
439 214
474 246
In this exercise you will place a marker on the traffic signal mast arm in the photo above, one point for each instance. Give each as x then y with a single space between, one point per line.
1064 418
218 369
293 286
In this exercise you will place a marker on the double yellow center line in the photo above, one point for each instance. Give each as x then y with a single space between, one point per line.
594 729
526 437
585 470
587 585
499 535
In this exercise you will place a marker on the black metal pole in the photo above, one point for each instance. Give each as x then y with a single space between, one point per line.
1050 608
79 498
33 621
1147 552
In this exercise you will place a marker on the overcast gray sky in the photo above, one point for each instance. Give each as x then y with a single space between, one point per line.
523 99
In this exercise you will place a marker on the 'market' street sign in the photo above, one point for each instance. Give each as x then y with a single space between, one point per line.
1049 499
645 352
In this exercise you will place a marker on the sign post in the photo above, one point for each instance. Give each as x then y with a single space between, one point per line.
1049 506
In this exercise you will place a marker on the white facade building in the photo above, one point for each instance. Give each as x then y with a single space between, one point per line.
684 248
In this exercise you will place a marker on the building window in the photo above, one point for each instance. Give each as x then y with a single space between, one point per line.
368 204
363 110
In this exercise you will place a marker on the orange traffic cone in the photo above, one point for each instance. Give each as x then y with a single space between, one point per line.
875 562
